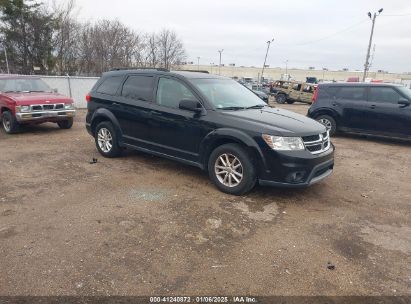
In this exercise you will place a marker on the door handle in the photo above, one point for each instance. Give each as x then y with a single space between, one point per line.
155 113
116 104
372 106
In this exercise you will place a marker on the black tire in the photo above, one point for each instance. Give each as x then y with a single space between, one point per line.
281 98
329 122
9 122
290 101
65 124
248 179
115 149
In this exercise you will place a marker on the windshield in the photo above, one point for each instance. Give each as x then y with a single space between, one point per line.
23 85
405 91
227 93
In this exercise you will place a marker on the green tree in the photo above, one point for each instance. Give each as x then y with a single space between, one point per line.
27 30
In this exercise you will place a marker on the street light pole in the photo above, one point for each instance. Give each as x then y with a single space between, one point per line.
219 66
265 59
367 58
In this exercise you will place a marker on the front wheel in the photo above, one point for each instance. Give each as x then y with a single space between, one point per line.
328 122
231 169
65 124
281 98
106 140
10 124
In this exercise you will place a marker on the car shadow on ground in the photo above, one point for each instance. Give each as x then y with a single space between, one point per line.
192 173
374 138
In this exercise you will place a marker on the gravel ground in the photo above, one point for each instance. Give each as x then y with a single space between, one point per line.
142 225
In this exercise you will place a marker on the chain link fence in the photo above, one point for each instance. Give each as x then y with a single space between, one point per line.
73 86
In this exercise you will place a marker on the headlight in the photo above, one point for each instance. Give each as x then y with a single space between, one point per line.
284 143
69 106
23 108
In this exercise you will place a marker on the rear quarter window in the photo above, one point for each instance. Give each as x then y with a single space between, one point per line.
351 93
110 85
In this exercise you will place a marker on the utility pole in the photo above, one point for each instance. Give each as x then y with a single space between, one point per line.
219 66
367 63
211 67
265 59
7 61
286 68
198 63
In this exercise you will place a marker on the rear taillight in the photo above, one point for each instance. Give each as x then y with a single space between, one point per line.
314 99
88 97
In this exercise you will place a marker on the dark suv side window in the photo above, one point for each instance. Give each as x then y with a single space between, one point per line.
138 88
110 85
384 94
351 93
170 92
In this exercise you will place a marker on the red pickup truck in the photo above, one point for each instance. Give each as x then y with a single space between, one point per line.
29 100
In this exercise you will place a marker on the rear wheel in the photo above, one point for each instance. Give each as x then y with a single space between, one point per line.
106 140
328 122
10 124
65 124
281 98
231 169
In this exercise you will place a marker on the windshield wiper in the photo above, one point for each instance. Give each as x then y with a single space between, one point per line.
232 108
259 106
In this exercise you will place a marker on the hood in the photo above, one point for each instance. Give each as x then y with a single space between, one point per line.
25 99
280 122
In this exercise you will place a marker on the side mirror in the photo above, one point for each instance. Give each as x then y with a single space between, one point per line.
55 90
404 102
190 105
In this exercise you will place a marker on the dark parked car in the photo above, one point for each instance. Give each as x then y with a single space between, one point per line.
367 108
211 122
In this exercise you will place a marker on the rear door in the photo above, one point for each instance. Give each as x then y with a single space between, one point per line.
295 91
133 108
351 102
307 93
388 117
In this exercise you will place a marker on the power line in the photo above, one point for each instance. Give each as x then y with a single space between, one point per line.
334 34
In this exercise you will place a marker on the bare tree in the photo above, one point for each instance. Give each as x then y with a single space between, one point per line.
108 44
66 34
171 49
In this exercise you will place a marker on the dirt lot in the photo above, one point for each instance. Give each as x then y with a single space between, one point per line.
142 225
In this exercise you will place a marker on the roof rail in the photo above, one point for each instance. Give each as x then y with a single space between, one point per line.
140 68
200 71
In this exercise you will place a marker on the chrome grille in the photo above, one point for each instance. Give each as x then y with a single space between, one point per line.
317 144
47 107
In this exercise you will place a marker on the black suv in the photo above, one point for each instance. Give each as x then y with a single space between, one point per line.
210 122
367 108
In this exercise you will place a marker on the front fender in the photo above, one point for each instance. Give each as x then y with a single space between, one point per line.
211 140
103 114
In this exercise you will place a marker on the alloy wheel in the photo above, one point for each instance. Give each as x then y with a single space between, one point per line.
326 123
105 140
229 170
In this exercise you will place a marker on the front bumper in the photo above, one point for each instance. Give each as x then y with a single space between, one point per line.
45 115
296 169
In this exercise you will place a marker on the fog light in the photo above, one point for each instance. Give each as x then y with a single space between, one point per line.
296 177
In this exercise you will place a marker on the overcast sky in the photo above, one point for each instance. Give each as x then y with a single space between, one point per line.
319 33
